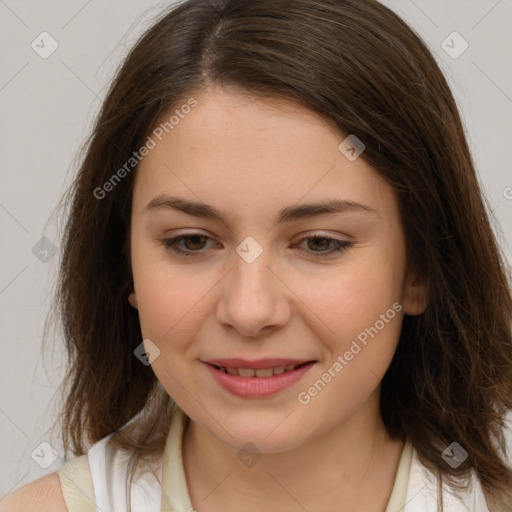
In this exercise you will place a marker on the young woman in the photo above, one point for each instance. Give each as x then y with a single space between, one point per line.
280 288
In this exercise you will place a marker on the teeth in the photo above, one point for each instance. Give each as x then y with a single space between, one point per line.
265 372
246 372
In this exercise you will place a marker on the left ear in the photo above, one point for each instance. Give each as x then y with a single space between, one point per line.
416 293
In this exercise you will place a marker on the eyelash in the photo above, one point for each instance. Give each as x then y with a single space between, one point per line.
340 245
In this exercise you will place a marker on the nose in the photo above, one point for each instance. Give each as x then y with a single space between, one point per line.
253 297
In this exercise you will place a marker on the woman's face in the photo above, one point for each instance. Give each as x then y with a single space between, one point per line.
266 282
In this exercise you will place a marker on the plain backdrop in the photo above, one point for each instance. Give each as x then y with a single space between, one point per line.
47 109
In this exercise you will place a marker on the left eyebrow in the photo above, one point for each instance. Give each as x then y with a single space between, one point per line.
287 214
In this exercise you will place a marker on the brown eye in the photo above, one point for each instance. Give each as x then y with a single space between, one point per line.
319 243
321 246
193 244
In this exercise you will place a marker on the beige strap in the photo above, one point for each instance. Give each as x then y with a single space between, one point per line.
175 496
77 487
398 495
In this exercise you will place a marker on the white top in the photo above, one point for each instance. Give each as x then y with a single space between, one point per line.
96 482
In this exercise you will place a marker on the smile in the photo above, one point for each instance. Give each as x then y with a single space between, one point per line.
257 380
264 372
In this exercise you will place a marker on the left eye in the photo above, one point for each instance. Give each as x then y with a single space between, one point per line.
194 245
323 243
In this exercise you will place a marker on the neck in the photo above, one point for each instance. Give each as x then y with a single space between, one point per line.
355 464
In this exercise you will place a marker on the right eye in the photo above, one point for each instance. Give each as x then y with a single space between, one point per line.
194 244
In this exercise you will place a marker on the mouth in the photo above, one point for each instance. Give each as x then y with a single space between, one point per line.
260 372
257 379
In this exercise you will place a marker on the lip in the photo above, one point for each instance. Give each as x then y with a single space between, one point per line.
257 387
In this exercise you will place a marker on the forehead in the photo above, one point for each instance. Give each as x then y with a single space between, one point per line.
234 148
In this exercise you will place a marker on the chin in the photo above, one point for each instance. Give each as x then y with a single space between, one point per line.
269 434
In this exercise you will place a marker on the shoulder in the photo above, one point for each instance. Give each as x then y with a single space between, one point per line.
43 494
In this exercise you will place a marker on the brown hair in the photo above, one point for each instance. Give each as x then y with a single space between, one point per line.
357 64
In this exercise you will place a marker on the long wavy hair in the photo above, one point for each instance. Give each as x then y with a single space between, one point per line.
358 65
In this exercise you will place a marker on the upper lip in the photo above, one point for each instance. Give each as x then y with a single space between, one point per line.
256 364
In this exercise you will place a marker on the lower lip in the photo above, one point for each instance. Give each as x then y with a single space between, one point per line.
258 387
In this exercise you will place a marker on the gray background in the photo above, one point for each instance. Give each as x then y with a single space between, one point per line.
48 106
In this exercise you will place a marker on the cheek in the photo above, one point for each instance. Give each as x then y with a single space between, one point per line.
173 302
361 306
365 325
170 313
351 299
163 303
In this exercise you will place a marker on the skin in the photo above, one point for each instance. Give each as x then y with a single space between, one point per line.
250 158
